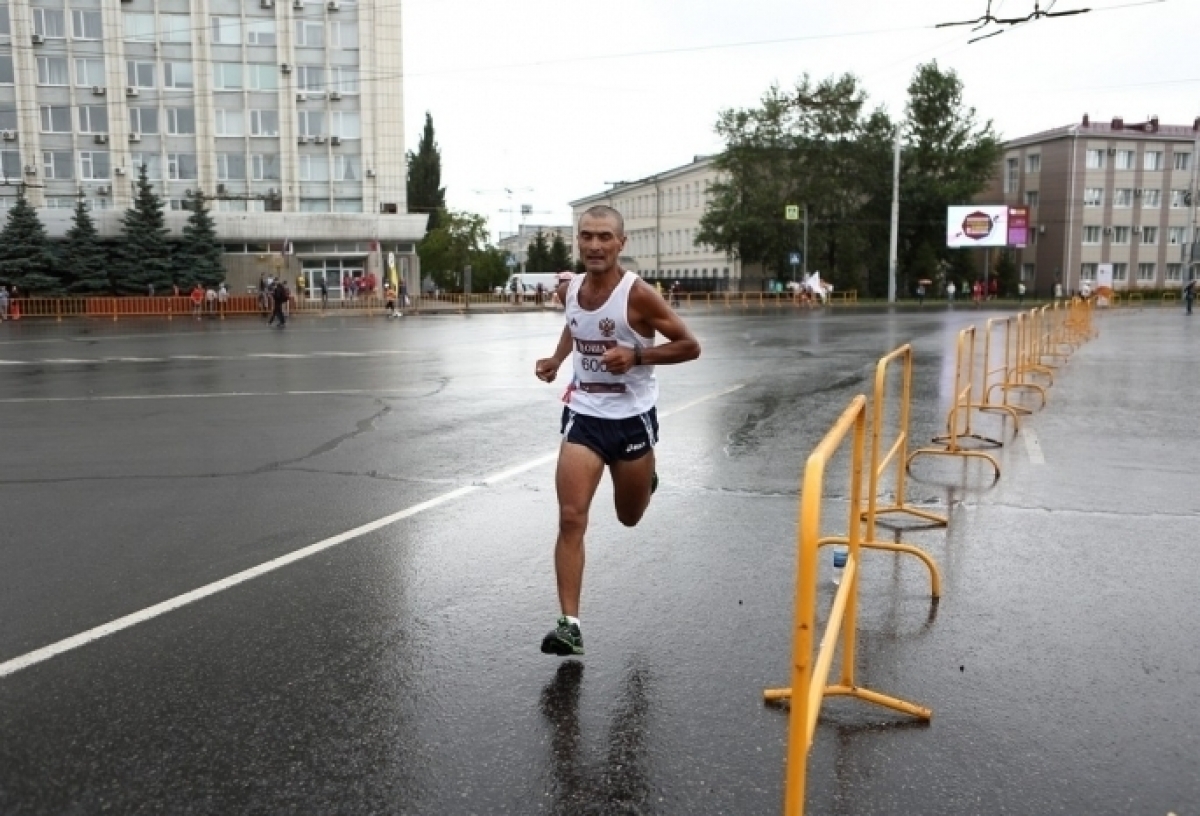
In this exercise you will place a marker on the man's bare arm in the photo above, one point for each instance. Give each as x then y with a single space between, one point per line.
650 314
546 369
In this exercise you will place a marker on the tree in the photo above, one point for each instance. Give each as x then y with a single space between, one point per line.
1005 273
145 249
811 146
537 254
425 191
560 255
25 258
948 158
198 256
83 256
458 240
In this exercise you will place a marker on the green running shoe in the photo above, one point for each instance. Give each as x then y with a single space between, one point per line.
563 640
654 483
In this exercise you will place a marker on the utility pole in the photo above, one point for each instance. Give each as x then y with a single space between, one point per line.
895 219
804 257
1192 255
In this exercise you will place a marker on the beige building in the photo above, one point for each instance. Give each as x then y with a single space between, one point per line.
662 219
288 112
1103 192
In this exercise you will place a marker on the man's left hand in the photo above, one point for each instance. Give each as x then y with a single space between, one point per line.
618 360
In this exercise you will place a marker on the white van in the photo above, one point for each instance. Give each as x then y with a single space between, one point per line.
527 283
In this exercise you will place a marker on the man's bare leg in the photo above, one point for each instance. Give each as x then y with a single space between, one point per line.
579 472
632 482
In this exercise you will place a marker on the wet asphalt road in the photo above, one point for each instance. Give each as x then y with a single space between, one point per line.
398 671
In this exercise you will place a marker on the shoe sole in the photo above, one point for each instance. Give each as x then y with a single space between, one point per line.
560 647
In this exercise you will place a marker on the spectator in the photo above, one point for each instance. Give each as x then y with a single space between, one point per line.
223 298
993 288
404 302
3 302
1020 293
324 293
197 300
1189 294
977 292
950 290
920 294
280 297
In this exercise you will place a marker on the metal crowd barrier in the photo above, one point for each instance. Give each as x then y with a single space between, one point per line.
1008 375
809 677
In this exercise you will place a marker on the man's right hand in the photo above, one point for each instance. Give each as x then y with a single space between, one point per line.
547 369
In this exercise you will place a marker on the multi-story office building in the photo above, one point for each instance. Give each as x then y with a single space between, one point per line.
662 219
1103 192
516 244
289 113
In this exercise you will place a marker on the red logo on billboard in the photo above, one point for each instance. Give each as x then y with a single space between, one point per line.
977 225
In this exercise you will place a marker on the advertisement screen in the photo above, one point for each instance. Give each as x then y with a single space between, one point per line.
977 226
1018 226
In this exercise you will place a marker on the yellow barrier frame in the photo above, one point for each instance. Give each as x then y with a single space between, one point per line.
809 678
1010 369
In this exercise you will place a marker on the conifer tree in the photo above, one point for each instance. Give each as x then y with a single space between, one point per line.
198 256
425 191
25 258
560 255
145 249
84 259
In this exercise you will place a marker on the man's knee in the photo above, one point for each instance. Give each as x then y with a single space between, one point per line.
572 520
630 517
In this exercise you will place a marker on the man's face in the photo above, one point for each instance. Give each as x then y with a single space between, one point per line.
600 243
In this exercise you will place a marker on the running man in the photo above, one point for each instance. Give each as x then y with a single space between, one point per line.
609 420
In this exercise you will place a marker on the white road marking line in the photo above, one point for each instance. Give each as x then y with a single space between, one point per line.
28 659
348 392
1033 447
315 355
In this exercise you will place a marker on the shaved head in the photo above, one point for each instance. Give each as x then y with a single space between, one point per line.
604 211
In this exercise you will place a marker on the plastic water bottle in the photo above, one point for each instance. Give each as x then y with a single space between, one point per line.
840 554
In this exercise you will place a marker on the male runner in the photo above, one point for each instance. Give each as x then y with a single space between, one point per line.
611 317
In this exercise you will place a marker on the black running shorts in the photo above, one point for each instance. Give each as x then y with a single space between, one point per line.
612 439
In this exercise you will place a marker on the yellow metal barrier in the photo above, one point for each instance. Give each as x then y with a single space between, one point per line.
1007 376
809 678
958 421
1168 297
1137 297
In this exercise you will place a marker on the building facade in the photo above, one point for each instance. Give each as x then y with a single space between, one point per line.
516 244
1103 192
288 113
662 219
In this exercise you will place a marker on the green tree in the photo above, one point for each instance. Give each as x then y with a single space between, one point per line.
560 255
948 158
84 257
458 239
815 146
198 255
25 257
1005 272
537 254
425 191
145 249
489 269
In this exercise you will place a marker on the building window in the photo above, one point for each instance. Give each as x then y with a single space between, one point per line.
175 28
89 73
58 165
1151 198
139 27
143 120
181 166
1152 160
261 32
1027 272
262 77
87 25
1031 199
1146 272
1120 271
1177 235
93 119
1149 235
314 205
1124 160
178 75
264 123
343 80
56 119
1094 160
1093 197
354 205
310 78
8 118
264 167
231 167
1091 235
181 121
5 25
314 168
140 74
1183 161
152 162
1174 272
347 168
230 122
1123 197
310 34
226 30
231 205
94 165
346 124
50 23
52 71
227 76
1180 199
310 123
10 164
6 70
1120 235
343 34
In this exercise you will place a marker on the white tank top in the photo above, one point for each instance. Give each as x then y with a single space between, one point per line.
594 391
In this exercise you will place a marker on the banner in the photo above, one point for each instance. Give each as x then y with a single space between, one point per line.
1104 283
977 226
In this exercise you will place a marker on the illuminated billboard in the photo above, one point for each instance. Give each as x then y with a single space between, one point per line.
977 226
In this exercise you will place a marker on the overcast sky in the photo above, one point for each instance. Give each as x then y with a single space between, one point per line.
553 99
